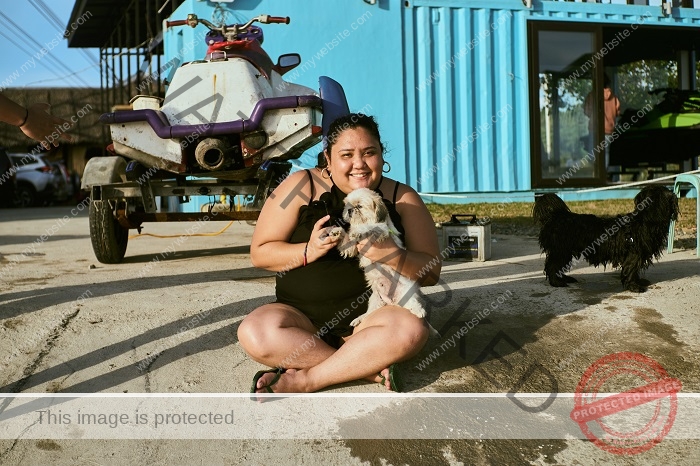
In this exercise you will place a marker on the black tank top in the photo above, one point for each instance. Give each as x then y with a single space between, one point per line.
330 291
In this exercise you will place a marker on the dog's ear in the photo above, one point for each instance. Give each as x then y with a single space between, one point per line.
546 207
656 203
380 210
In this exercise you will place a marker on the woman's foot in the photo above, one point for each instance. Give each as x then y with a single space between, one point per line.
382 378
389 378
260 374
291 381
296 381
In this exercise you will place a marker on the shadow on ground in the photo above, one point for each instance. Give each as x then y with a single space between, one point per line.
23 302
480 326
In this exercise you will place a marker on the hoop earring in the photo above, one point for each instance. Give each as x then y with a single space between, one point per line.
388 169
326 170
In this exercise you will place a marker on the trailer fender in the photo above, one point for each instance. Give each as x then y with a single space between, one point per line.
103 170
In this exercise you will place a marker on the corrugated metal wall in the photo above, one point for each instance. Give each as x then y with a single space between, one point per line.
467 97
466 80
446 79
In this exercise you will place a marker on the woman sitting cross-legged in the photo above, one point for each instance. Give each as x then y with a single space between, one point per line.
306 333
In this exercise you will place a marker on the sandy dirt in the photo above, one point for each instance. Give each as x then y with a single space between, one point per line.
70 324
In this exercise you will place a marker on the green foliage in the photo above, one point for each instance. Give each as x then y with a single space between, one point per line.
635 81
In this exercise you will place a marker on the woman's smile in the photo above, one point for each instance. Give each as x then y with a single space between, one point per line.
356 160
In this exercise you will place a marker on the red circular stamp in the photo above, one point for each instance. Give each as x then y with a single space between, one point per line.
632 421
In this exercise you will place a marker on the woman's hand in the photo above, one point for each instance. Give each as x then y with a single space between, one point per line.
41 126
320 242
379 251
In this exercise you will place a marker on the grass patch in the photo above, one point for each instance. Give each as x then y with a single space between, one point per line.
515 218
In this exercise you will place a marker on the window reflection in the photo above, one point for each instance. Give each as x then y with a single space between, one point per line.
567 130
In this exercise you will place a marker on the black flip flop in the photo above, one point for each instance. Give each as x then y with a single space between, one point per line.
395 380
279 371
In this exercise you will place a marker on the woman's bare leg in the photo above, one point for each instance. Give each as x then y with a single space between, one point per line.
388 335
279 335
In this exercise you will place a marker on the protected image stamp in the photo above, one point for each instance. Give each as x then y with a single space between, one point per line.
632 421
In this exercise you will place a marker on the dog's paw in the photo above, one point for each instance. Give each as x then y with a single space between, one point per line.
346 253
635 287
378 236
561 281
644 282
336 232
357 321
332 232
558 283
415 308
354 237
347 249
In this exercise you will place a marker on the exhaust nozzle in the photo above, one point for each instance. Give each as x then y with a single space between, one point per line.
210 153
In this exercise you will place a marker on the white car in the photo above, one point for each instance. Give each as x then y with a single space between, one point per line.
37 181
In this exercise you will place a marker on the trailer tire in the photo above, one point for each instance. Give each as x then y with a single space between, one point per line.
109 238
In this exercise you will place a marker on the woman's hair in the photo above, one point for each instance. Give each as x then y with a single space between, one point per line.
350 121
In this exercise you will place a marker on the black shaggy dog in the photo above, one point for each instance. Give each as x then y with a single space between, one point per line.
631 241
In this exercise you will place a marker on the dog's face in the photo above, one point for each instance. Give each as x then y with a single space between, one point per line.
656 202
363 206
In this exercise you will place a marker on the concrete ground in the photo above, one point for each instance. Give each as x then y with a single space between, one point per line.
71 324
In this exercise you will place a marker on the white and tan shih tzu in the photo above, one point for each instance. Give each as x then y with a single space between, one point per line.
368 217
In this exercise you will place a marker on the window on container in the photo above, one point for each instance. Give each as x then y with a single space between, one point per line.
567 131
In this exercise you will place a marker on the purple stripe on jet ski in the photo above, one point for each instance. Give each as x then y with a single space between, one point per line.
164 130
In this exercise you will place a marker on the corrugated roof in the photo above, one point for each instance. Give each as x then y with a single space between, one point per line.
98 19
101 19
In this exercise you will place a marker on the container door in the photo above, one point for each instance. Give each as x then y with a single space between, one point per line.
566 130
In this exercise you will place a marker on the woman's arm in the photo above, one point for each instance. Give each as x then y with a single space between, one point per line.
421 260
35 121
270 248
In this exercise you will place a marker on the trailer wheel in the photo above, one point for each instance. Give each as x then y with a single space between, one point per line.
109 238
